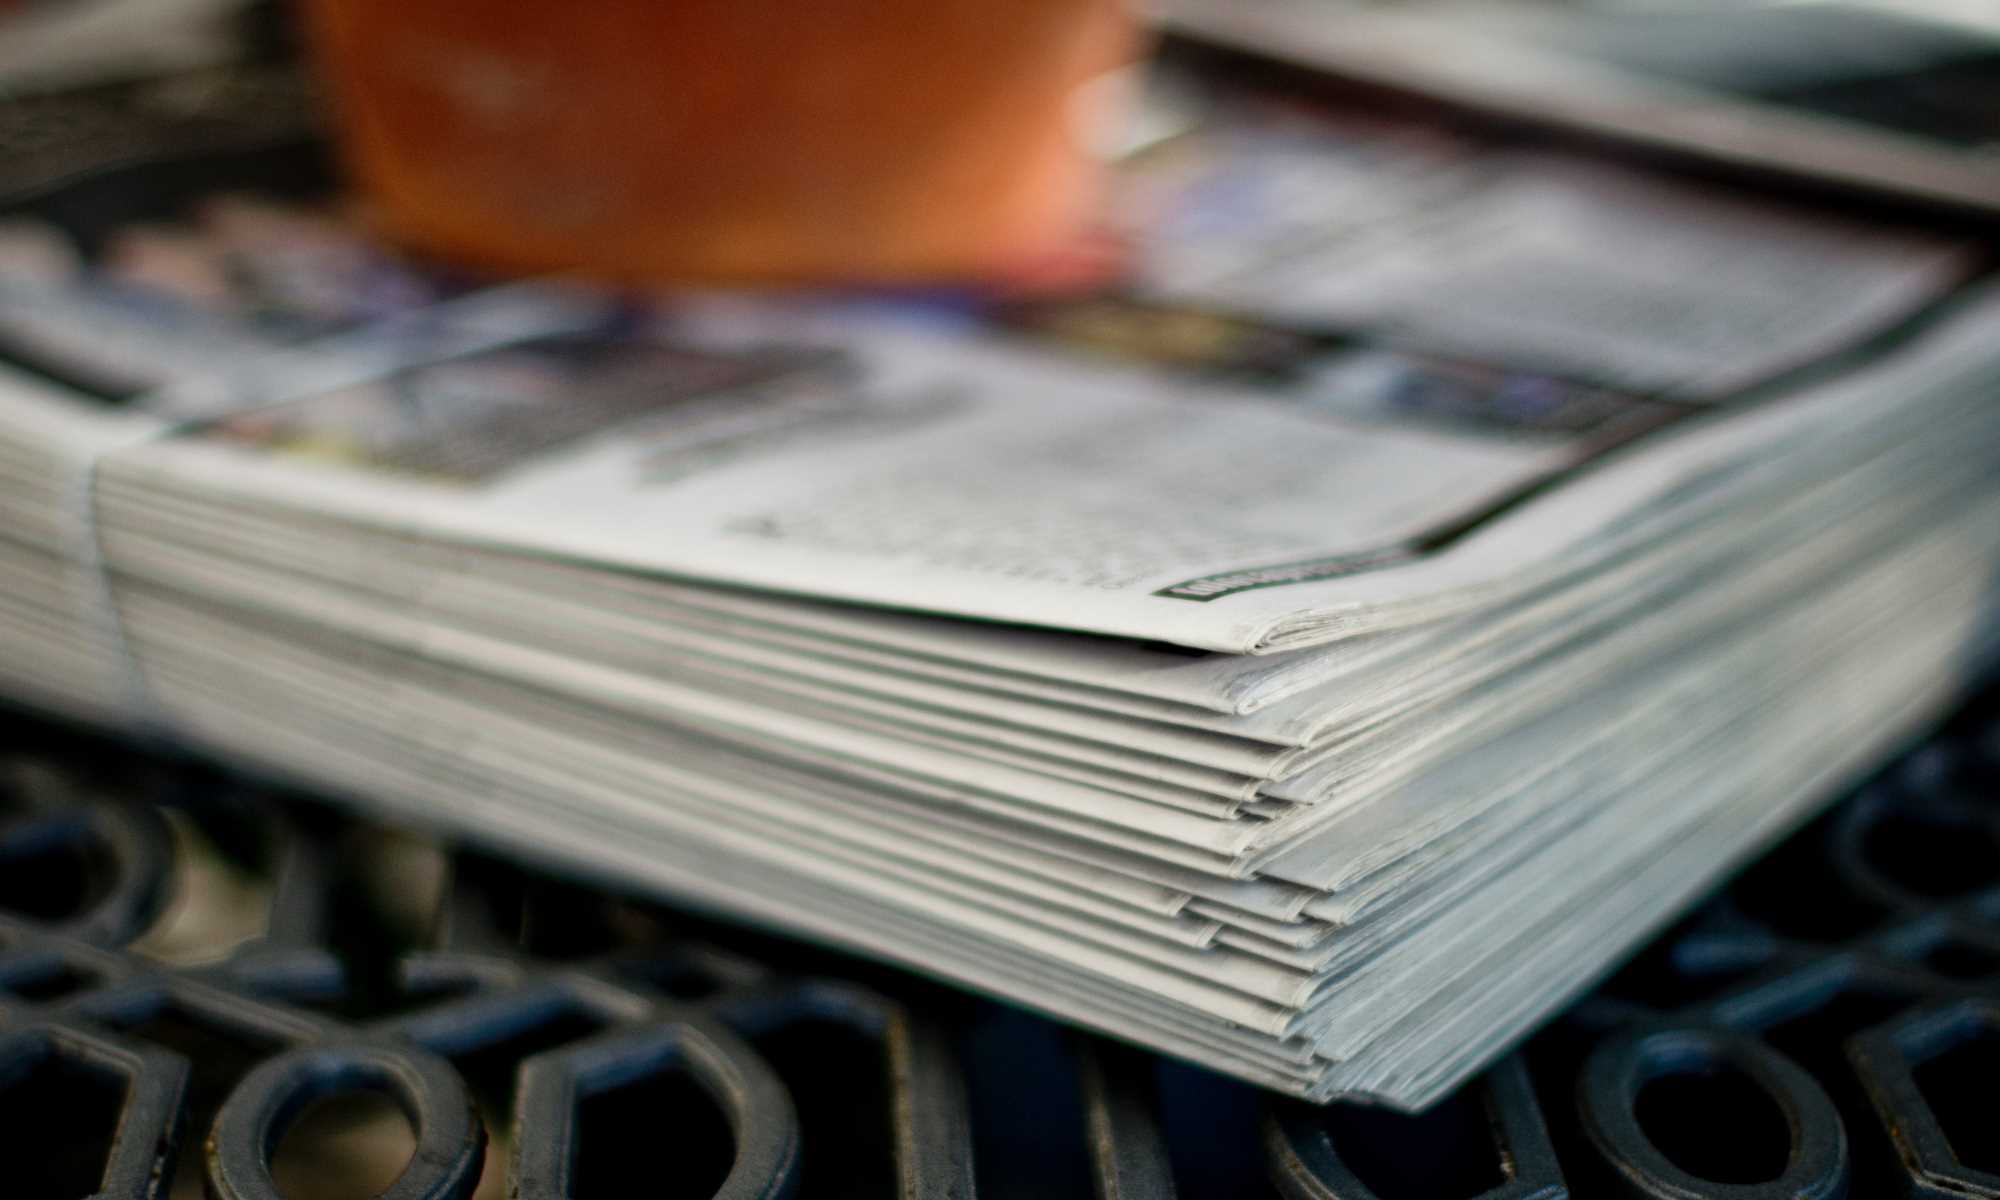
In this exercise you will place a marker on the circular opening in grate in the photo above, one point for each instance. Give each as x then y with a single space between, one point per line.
342 1146
1715 1123
55 880
1931 855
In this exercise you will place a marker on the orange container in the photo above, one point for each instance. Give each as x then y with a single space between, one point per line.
724 140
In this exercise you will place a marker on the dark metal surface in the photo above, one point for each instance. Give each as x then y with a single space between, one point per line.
206 988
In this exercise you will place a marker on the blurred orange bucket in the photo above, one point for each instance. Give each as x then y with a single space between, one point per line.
724 140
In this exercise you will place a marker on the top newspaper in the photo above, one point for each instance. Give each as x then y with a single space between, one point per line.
1362 377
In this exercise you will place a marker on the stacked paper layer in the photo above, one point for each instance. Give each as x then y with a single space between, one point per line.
1319 660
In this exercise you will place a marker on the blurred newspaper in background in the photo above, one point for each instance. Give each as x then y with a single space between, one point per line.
51 45
1888 96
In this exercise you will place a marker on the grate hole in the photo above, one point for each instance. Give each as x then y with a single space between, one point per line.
1795 893
661 1136
1656 980
1212 1126
563 922
53 883
1027 1109
689 985
64 980
671 977
838 1078
213 904
1935 859
57 1118
1716 1124
1955 959
381 999
1958 1085
343 1146
1446 1153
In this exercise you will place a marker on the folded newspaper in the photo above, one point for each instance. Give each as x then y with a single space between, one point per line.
1320 657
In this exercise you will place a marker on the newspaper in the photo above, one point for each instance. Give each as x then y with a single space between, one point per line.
1410 570
952 475
1570 383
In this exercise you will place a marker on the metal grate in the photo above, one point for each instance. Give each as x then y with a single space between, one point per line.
203 988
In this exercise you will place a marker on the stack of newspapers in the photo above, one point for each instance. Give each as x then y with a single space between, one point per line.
1319 656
